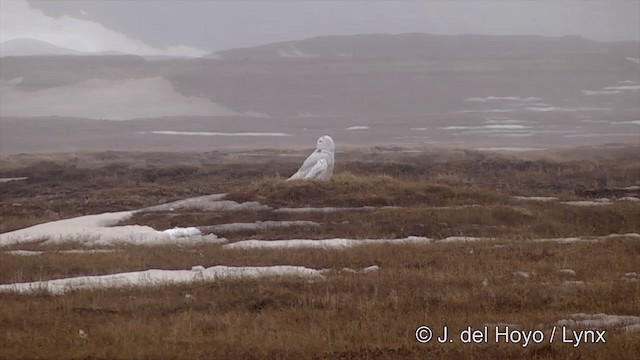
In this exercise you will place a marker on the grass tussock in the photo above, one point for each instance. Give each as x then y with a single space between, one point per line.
349 190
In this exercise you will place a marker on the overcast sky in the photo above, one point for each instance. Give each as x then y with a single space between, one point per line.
205 26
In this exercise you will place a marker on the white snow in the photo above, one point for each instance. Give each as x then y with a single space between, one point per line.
624 87
156 278
178 232
100 230
209 203
569 272
522 274
453 239
628 198
599 135
341 243
4 180
336 243
502 98
210 133
600 321
74 251
357 127
631 122
600 92
564 109
514 149
494 126
536 198
597 202
20 20
372 268
568 240
24 252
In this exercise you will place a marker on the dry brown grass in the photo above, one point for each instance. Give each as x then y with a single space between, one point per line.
351 315
346 315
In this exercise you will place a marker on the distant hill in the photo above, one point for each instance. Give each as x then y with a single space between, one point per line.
427 46
32 47
412 89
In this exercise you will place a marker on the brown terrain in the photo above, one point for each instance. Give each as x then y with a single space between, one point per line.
508 278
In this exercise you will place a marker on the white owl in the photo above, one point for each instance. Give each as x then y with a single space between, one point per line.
313 167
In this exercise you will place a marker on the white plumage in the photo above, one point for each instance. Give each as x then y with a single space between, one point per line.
325 148
318 170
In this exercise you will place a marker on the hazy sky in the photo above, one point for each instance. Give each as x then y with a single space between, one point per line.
216 25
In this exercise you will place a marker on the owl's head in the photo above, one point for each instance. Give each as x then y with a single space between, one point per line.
325 142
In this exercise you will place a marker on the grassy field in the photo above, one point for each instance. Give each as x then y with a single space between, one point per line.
509 277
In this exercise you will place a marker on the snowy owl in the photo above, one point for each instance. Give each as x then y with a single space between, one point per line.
312 167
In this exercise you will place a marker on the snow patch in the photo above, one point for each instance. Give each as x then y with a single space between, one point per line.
336 243
455 239
513 149
372 268
100 229
600 92
4 180
209 203
536 198
157 278
597 202
563 109
600 321
568 272
624 87
498 126
502 98
178 232
208 133
569 240
631 122
75 251
24 252
357 127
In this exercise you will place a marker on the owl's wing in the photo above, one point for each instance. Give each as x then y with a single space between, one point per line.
308 164
317 171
